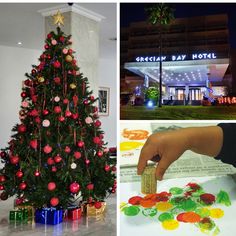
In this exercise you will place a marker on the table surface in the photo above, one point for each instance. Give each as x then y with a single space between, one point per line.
83 227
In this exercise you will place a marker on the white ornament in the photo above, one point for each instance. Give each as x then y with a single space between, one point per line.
73 166
56 99
46 123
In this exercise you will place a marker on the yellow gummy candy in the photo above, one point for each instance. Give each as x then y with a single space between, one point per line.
163 206
122 205
216 213
170 224
127 146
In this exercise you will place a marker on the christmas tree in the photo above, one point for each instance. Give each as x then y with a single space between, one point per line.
57 154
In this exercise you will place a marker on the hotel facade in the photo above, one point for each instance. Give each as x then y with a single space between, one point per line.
195 56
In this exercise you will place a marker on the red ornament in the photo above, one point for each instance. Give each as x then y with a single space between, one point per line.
97 123
50 161
54 201
87 162
37 120
37 173
70 51
96 140
34 113
49 36
113 191
75 116
68 113
34 98
80 144
57 158
28 82
95 109
99 153
90 186
3 155
67 149
107 168
1 187
97 205
49 56
47 149
73 62
2 178
113 168
45 112
57 64
62 39
22 186
54 169
77 155
86 102
19 174
65 101
61 118
57 80
51 186
3 196
57 109
34 143
14 160
74 187
46 46
91 98
21 128
33 71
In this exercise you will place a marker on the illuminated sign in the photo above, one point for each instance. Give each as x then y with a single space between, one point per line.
180 57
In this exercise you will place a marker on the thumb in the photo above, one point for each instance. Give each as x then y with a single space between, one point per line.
162 166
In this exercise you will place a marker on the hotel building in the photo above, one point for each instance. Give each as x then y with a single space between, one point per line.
195 56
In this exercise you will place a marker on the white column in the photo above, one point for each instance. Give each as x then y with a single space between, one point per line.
83 25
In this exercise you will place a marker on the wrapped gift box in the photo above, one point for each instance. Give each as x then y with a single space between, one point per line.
18 215
51 216
73 213
28 210
91 210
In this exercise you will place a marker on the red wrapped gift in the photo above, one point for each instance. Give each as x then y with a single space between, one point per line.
74 214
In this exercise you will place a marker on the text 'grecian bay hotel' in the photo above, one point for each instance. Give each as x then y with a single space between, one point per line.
195 57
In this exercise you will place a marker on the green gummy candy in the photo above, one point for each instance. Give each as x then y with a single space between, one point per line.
203 212
165 216
131 210
149 212
188 205
223 198
176 190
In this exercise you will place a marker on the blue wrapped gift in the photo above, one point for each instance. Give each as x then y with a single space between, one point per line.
51 216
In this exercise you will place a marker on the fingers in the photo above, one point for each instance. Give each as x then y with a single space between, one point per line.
161 168
147 153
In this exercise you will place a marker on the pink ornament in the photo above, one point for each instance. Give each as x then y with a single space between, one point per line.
90 186
24 104
74 187
57 158
54 169
47 149
96 140
106 150
37 173
67 149
88 120
54 201
65 101
54 42
77 155
86 102
99 153
75 116
61 118
46 123
80 144
57 99
51 186
45 112
87 162
50 161
65 50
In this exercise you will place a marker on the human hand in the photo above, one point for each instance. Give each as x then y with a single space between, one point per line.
169 146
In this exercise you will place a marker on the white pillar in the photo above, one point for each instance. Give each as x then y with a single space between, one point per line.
83 25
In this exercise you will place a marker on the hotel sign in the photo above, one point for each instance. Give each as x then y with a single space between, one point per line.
180 57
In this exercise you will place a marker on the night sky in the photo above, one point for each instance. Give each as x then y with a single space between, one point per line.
132 12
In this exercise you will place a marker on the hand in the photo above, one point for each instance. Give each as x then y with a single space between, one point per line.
168 145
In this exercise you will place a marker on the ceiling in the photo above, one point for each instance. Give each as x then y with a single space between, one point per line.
22 22
182 72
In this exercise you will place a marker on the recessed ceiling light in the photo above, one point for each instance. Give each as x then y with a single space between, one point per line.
19 43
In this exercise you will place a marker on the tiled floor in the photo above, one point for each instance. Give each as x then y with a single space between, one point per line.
83 227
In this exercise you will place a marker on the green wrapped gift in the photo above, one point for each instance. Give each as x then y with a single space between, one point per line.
29 210
16 215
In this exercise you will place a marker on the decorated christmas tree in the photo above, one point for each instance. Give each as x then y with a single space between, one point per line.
57 155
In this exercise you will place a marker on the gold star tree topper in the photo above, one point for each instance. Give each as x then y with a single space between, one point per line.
58 19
